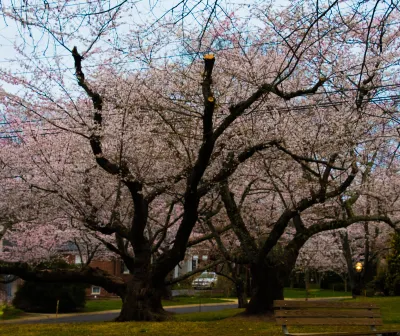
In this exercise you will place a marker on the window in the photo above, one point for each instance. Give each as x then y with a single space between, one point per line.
194 262
96 290
79 261
124 268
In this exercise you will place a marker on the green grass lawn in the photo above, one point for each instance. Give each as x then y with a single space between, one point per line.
299 293
100 305
221 323
113 304
390 307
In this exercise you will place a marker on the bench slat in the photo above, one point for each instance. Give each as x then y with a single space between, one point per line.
349 313
323 304
328 321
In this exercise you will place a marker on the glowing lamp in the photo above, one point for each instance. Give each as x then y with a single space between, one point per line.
359 267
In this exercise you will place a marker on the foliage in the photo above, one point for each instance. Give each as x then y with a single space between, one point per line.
8 312
378 286
42 297
185 283
226 285
329 279
393 271
143 160
39 297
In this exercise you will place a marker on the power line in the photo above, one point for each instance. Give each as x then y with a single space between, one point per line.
153 58
35 57
282 109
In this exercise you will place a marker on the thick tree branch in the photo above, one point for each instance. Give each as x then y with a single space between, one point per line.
281 224
247 242
94 276
134 186
208 236
238 109
209 100
231 164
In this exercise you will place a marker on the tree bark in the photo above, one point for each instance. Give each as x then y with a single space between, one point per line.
307 282
241 293
142 302
267 286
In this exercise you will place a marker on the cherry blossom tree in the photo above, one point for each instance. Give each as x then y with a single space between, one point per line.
322 253
333 189
283 116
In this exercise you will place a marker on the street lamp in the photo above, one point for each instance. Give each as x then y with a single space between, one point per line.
357 281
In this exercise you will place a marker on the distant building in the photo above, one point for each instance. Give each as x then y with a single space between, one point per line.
194 259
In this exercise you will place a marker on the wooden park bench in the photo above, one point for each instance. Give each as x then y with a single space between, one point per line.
330 313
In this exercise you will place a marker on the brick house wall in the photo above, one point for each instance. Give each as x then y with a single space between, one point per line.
113 266
194 259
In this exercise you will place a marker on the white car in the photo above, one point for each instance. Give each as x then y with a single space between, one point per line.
206 280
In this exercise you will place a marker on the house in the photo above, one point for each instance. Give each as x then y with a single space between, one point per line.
8 290
194 259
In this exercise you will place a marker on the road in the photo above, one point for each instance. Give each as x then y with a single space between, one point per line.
109 316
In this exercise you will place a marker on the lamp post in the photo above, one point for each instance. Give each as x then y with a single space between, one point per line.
357 281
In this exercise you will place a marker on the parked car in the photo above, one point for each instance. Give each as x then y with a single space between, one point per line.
206 280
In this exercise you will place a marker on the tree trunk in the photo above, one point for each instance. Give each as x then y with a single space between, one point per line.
141 302
291 282
241 293
267 286
307 282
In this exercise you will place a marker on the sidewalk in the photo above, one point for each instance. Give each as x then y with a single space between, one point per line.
33 316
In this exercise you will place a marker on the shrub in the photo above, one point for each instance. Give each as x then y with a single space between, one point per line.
338 286
377 286
186 283
8 312
227 286
42 297
393 271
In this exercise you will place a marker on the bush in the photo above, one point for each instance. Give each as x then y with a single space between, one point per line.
377 286
330 279
338 286
226 285
40 297
8 312
393 273
186 283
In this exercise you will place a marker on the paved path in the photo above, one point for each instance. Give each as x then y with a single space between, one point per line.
112 314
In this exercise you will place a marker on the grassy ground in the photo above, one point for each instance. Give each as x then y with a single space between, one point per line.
114 304
297 293
101 305
390 307
221 323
